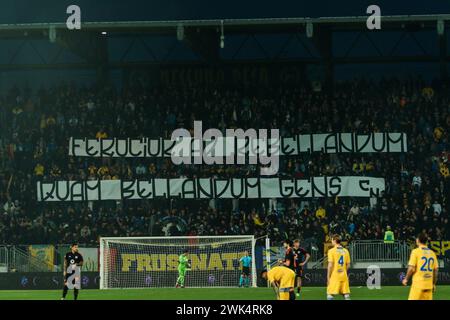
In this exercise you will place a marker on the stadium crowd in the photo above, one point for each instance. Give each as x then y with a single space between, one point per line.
36 126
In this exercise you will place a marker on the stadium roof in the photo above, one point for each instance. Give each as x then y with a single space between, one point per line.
402 38
232 25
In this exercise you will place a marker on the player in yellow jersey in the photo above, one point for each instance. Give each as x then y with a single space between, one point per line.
338 265
423 267
282 280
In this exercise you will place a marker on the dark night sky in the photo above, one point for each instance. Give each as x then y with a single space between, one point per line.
23 11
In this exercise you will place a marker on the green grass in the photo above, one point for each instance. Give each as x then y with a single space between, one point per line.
309 293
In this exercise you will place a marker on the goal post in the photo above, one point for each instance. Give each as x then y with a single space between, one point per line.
152 262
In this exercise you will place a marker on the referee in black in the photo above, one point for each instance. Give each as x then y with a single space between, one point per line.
73 261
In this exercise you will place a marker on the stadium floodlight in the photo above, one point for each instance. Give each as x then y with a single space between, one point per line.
180 32
440 27
309 29
152 262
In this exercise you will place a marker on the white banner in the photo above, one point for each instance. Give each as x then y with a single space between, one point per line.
304 143
209 188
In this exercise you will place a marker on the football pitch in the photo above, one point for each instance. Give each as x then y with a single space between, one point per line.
308 293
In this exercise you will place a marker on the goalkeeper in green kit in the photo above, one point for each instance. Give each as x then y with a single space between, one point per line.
183 266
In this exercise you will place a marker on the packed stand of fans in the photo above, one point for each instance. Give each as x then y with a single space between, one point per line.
35 130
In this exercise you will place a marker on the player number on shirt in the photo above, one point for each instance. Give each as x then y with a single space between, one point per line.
427 265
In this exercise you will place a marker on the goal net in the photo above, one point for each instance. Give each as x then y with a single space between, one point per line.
147 262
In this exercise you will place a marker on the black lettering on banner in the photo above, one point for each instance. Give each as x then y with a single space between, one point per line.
73 145
141 190
77 191
297 138
160 147
101 147
104 151
124 154
367 136
299 188
342 145
284 147
333 143
127 189
334 184
218 194
58 196
48 195
196 188
88 148
249 186
168 150
374 142
374 192
97 187
311 141
364 185
242 187
40 191
130 147
289 189
234 154
400 139
333 148
188 188
153 181
314 187
201 191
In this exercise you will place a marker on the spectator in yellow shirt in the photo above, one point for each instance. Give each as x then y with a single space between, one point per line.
320 212
103 171
101 134
437 133
39 170
257 220
92 170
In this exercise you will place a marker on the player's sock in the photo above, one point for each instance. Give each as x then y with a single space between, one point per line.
298 289
330 297
241 280
247 279
347 296
181 281
65 290
75 294
291 295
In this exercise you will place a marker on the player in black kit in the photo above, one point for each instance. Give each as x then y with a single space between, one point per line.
301 257
289 257
73 261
